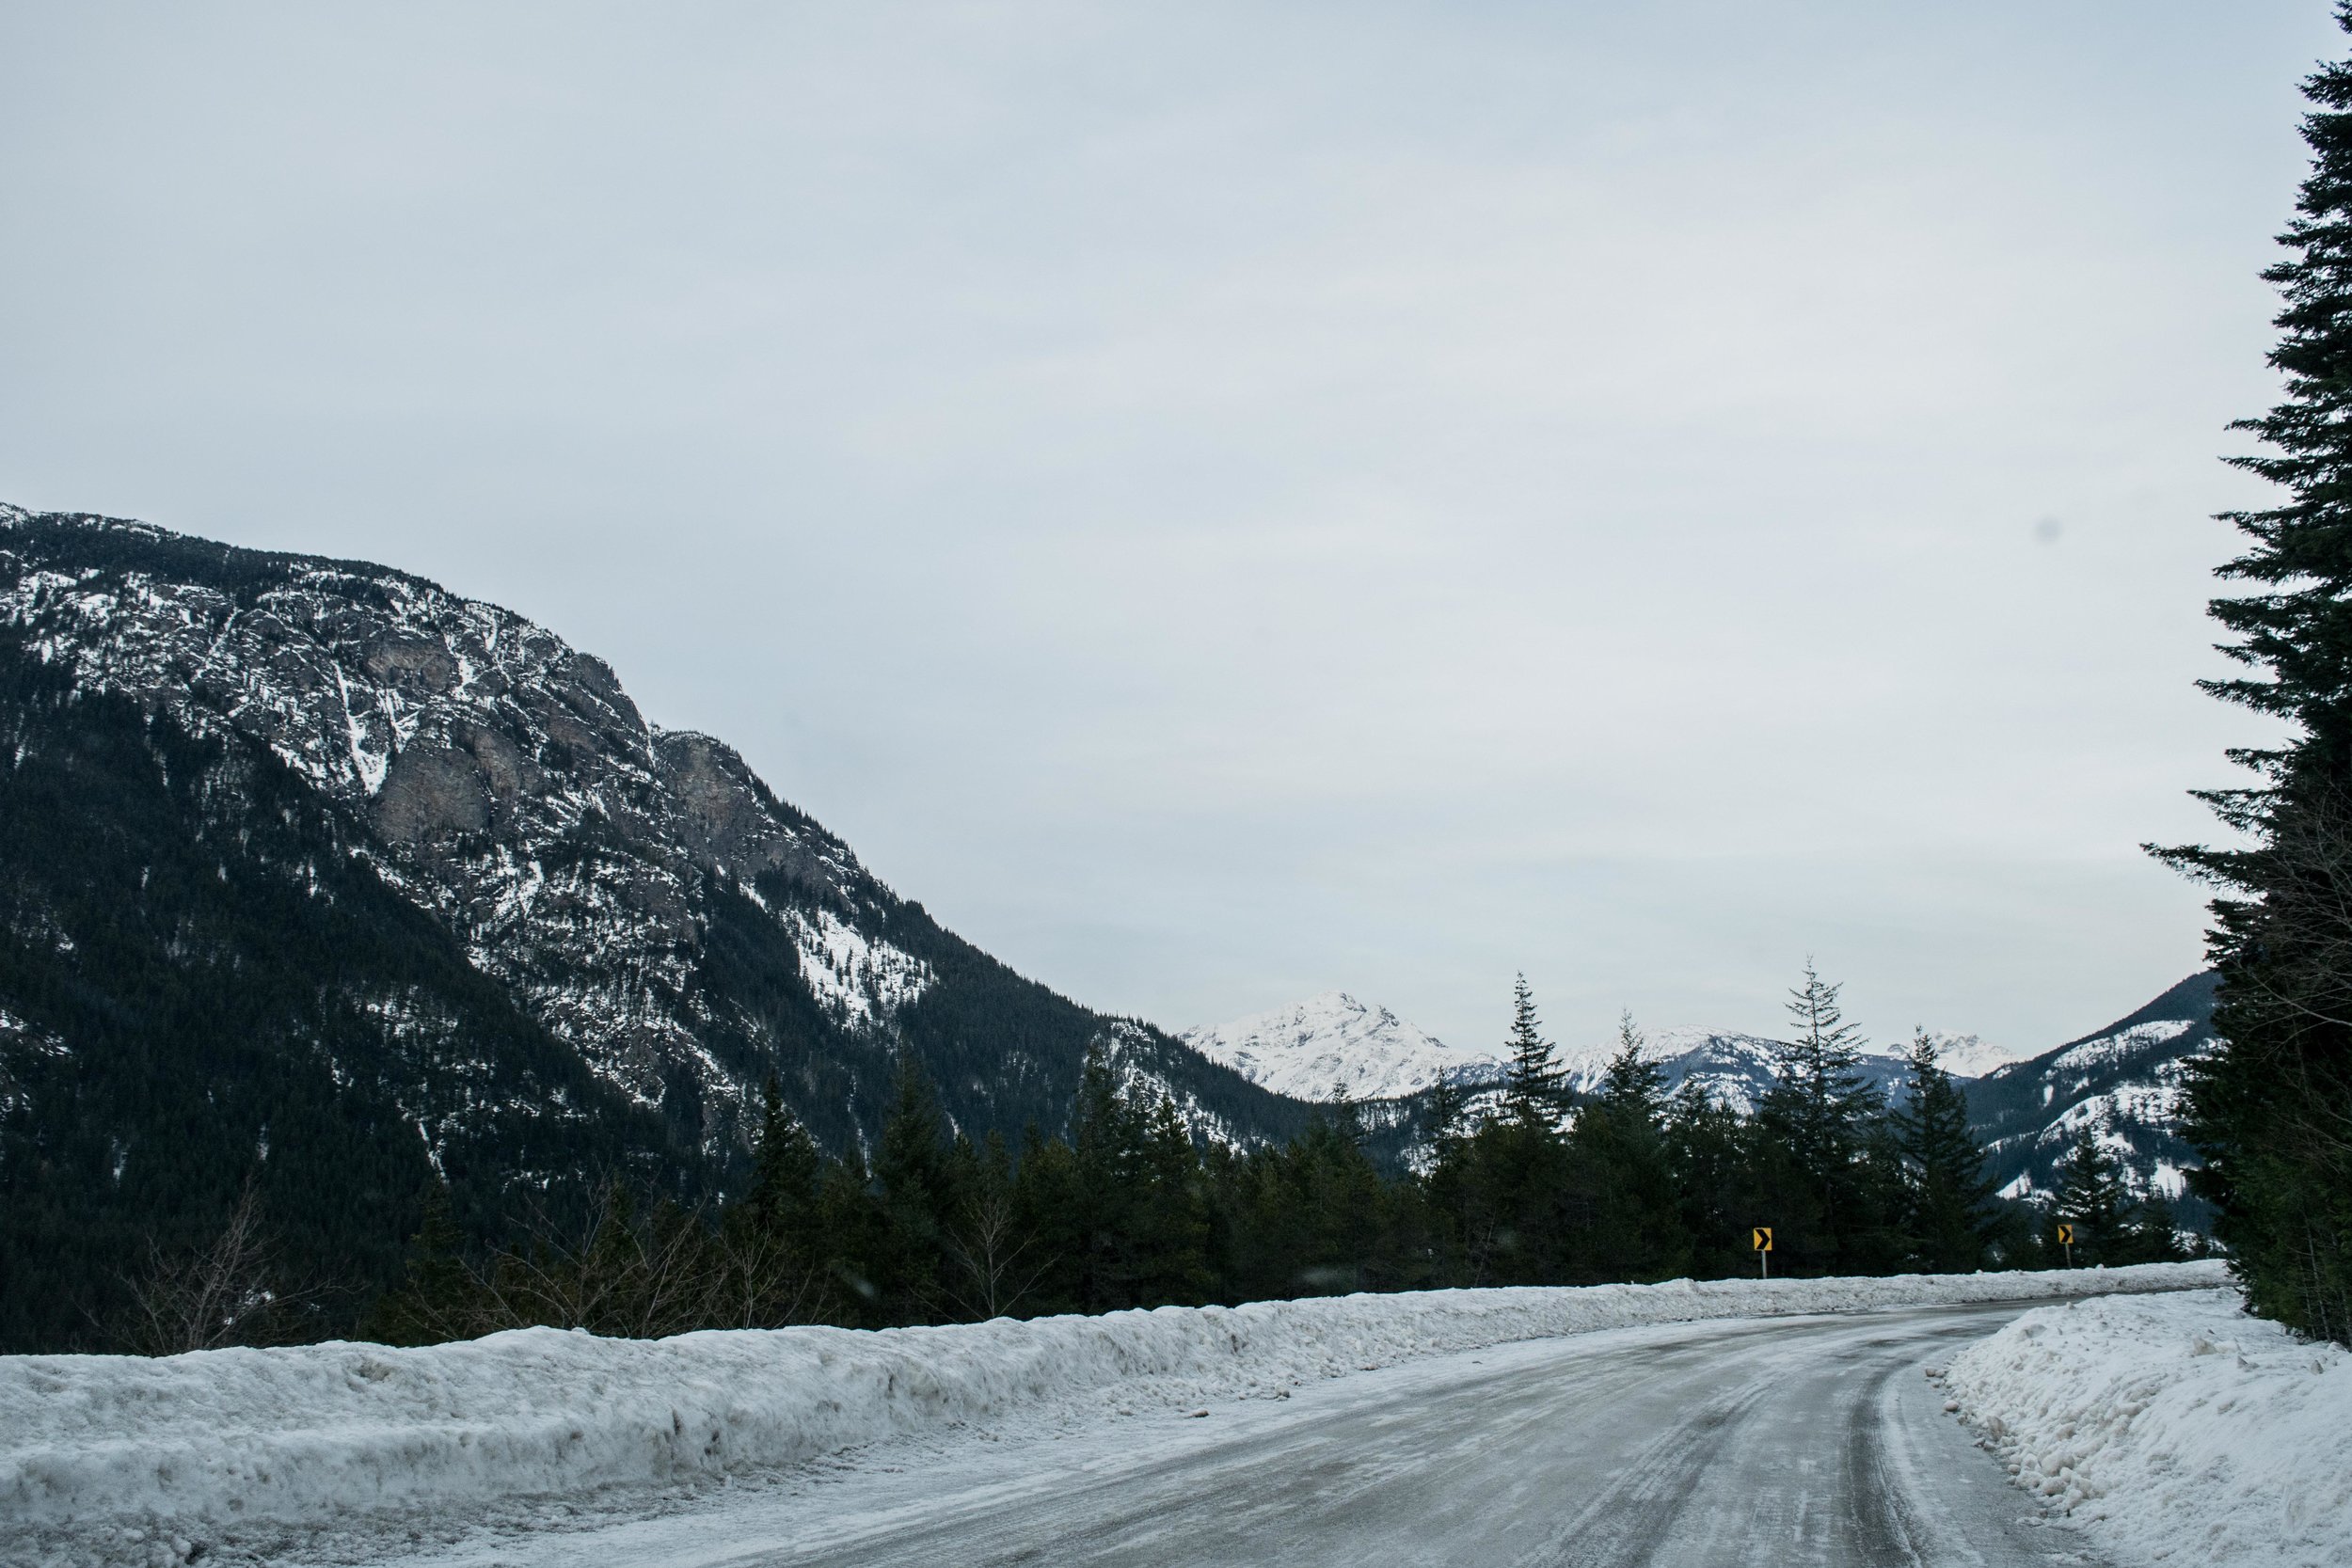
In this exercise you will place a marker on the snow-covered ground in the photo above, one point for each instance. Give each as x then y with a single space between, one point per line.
190 1449
2172 1428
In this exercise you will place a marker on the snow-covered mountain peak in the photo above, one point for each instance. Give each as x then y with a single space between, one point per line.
1968 1056
1332 1040
1732 1068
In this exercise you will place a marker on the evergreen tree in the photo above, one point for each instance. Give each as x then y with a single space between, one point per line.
1635 1230
1633 1089
1445 1190
992 1258
2091 1198
1142 1205
858 1243
1949 1212
1054 1214
1816 1125
1167 1214
1311 1217
1347 1117
776 1242
1534 1087
2152 1231
787 1167
1442 1118
2270 1109
438 1301
1706 1150
911 1165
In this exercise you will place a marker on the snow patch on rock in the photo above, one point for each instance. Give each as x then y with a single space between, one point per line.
861 978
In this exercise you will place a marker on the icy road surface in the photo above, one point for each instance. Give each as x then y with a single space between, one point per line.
1770 1441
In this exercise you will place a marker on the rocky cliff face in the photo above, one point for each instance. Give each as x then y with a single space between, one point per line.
637 895
512 786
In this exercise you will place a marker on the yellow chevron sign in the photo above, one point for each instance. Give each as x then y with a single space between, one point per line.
1763 1238
2066 1235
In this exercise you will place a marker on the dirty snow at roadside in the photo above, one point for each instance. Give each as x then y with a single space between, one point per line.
198 1451
2172 1428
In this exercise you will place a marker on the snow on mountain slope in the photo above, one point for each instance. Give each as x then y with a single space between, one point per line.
1307 1049
1734 1069
2122 1084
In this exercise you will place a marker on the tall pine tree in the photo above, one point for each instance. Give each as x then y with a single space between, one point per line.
1633 1089
1534 1087
2271 1109
1816 1120
1949 1215
2093 1198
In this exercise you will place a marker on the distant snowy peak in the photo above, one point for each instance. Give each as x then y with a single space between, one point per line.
1735 1069
1333 1041
1968 1056
1308 1048
1732 1068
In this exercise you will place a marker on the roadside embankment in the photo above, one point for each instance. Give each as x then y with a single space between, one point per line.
181 1444
2171 1429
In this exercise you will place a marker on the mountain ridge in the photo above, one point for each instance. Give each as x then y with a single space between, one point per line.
2123 1082
614 934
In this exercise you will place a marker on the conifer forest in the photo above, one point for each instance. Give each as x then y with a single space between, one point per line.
1125 1209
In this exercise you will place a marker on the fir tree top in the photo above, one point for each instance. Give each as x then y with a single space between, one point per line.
2300 632
1823 1033
1818 1100
1633 1088
1534 1088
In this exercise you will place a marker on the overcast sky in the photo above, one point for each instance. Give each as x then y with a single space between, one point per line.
1222 502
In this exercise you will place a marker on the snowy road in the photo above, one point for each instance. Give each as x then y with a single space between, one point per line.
1788 1441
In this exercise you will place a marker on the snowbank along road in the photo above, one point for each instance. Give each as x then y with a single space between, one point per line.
1610 1423
2174 1428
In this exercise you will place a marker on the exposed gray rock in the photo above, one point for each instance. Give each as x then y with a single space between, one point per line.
638 893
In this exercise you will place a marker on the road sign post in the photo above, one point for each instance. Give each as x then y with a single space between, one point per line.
1763 1244
2066 1240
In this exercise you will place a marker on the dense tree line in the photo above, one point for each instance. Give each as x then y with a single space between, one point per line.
2271 1110
1126 1208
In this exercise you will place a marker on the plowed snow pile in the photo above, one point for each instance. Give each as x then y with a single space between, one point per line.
2174 1428
185 1445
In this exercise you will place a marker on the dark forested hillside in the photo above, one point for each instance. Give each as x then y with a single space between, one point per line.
316 875
202 983
2122 1085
